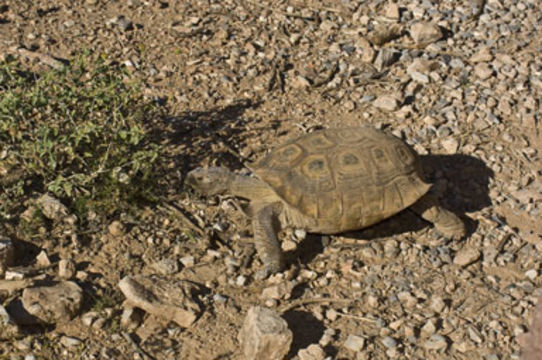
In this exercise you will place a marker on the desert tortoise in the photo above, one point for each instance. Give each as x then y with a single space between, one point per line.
329 181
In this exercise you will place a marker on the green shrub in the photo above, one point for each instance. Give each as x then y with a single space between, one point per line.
81 133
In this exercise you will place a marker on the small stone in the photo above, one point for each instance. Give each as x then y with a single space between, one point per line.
419 77
483 71
7 254
7 324
116 228
88 318
424 33
389 342
354 343
51 304
131 318
422 66
66 269
312 352
428 328
466 256
300 234
166 266
437 304
162 297
391 11
70 341
450 145
278 291
300 82
483 55
42 260
531 274
387 103
264 335
385 58
331 314
187 261
435 342
288 245
52 208
241 280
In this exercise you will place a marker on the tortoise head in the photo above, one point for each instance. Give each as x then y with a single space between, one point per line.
209 181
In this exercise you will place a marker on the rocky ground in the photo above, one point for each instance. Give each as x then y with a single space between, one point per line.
458 80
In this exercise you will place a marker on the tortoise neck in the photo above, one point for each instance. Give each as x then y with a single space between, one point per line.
249 188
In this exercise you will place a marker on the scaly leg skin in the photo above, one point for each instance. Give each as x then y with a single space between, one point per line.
266 227
445 221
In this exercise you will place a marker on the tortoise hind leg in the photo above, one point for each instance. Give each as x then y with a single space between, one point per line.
266 227
445 221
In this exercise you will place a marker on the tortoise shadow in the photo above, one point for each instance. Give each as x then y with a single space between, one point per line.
306 330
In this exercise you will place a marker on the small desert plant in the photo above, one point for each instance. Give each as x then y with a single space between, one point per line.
81 133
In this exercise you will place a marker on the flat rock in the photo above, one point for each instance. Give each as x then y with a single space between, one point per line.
354 343
482 55
466 256
51 304
168 299
264 335
387 103
424 33
7 254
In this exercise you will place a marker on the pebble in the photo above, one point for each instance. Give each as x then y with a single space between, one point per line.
42 260
435 342
70 341
424 33
354 343
66 269
51 207
450 145
264 335
531 274
483 71
166 266
387 103
312 352
116 228
187 261
466 256
389 342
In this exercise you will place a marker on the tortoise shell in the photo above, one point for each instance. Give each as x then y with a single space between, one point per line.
346 178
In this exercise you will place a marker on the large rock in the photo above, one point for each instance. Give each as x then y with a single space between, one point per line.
51 304
7 254
264 335
167 299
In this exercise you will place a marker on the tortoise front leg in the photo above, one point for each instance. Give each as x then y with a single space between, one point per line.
266 227
445 221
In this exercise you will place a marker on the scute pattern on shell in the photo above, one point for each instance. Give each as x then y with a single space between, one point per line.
345 178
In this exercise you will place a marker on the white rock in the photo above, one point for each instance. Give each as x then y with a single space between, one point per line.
435 342
450 145
42 260
354 343
387 103
66 269
264 335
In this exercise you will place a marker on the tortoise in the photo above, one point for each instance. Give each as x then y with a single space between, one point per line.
329 181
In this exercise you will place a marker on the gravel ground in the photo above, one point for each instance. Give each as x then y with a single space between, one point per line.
458 80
